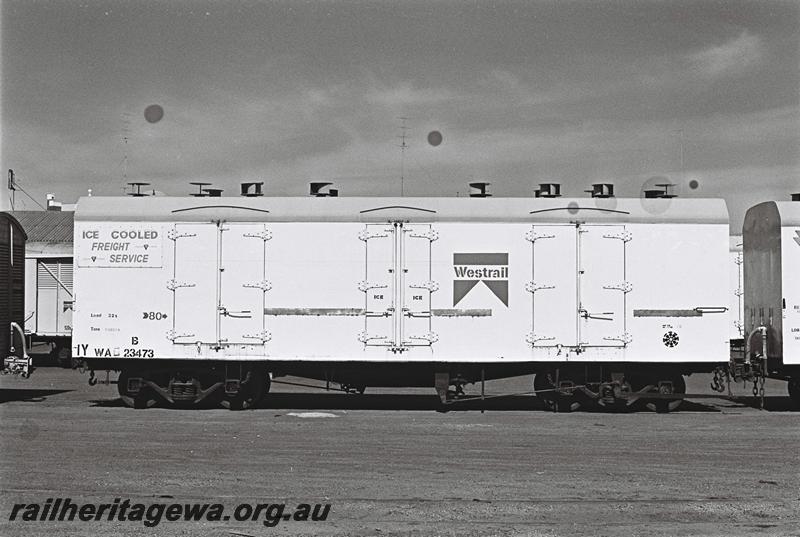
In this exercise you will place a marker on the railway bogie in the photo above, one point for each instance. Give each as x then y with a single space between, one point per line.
619 387
235 386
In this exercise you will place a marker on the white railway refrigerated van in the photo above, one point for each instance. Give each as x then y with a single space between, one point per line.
190 296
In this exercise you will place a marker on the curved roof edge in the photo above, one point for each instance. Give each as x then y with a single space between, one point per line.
11 218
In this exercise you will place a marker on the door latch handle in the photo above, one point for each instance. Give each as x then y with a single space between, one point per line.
596 316
246 314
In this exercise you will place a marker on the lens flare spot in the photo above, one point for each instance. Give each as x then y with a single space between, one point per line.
435 138
153 113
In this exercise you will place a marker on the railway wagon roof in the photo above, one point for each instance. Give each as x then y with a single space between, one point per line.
10 218
787 212
382 209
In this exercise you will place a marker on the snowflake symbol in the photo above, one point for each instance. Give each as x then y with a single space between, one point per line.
670 339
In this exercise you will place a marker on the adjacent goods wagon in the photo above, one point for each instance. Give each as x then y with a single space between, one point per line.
48 280
12 296
191 300
772 292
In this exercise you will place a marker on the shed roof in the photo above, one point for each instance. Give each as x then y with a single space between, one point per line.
46 226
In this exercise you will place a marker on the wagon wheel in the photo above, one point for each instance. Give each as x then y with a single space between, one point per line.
543 386
566 404
638 382
621 404
144 399
540 383
794 391
663 406
62 355
252 389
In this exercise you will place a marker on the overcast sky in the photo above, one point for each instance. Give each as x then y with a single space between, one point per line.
293 92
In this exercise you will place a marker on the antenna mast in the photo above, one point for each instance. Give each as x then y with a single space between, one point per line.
125 160
126 131
403 147
12 187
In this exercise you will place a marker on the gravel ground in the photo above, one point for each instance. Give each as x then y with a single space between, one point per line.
389 464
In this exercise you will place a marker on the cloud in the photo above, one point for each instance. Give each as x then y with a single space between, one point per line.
406 93
730 58
503 82
598 118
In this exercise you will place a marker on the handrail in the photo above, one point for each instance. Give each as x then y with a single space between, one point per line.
219 207
397 207
577 208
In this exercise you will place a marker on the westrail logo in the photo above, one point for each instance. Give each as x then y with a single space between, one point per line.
474 268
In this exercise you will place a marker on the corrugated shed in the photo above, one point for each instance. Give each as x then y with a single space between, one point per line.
46 226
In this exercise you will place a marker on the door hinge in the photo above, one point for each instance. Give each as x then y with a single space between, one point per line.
367 234
264 285
173 234
533 236
365 286
430 234
624 236
430 286
175 284
263 336
625 338
172 335
532 287
532 339
430 337
625 287
365 337
264 235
